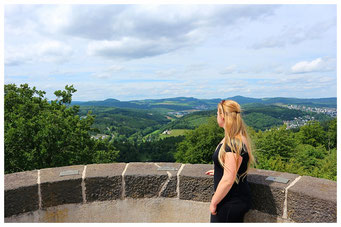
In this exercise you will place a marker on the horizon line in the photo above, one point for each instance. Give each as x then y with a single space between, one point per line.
199 98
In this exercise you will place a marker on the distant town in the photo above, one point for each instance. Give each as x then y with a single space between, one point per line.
300 121
328 111
182 113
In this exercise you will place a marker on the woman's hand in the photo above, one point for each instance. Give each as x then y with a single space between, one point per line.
213 209
210 172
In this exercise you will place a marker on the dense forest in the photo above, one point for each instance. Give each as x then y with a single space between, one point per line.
41 133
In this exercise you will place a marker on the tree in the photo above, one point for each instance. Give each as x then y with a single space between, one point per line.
331 140
199 144
312 133
274 142
41 134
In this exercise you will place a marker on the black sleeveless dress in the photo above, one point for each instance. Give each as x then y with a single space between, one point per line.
237 202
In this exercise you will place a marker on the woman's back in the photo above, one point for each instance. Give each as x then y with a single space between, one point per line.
240 191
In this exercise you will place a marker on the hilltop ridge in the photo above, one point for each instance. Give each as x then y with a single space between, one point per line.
185 103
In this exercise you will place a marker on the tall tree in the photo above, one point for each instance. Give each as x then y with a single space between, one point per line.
312 133
199 144
41 134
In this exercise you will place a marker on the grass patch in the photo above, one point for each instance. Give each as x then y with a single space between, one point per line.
174 132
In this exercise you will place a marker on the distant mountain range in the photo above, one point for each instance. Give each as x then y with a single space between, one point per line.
186 103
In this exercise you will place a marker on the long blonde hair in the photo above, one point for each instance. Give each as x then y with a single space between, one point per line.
234 128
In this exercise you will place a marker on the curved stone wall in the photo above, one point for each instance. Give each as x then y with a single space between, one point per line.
158 192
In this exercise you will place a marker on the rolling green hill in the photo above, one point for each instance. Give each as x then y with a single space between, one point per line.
189 103
146 123
124 121
256 115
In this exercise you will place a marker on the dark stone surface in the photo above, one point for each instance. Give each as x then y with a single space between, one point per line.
268 196
312 200
309 200
57 190
104 181
195 184
171 187
170 190
21 192
143 180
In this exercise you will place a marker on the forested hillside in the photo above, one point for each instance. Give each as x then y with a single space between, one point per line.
142 124
41 134
123 121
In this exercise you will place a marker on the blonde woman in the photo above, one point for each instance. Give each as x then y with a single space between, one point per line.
232 159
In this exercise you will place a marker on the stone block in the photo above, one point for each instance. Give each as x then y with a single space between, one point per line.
255 216
171 185
312 200
57 190
143 180
21 192
103 181
195 184
268 196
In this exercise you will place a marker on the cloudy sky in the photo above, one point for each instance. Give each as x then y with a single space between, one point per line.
131 52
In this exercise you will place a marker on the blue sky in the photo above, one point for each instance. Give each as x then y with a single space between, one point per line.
133 52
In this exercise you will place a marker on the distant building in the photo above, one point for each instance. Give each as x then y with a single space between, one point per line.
166 132
100 136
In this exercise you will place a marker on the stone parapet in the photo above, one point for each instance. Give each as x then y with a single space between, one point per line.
21 193
194 184
268 196
312 200
288 198
103 182
57 190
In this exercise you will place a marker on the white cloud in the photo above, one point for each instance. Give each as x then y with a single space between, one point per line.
47 51
318 64
133 31
130 48
109 72
295 34
53 51
229 69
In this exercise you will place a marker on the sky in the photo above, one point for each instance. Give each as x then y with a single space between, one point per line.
135 52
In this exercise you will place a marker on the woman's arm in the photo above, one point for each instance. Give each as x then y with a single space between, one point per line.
227 180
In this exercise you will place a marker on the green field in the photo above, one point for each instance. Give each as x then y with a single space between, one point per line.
174 132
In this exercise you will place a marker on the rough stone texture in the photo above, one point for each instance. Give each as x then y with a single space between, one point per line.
170 189
312 200
103 181
309 200
255 216
143 180
195 184
21 192
57 190
268 196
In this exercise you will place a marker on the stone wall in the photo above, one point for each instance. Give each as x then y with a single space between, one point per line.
157 192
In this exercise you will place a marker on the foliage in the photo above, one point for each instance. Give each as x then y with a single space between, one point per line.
275 142
261 121
41 134
198 144
190 121
134 123
162 150
305 152
312 133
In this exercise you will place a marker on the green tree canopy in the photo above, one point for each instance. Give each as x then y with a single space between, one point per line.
41 134
199 144
312 133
